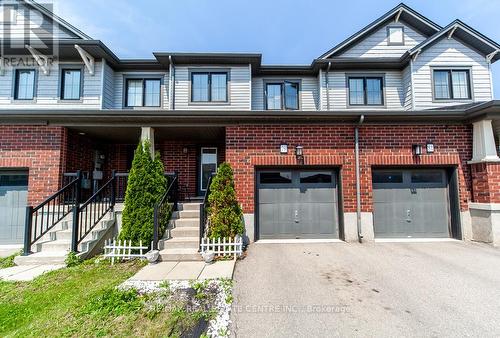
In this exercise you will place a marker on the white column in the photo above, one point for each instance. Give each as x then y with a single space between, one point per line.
484 149
148 133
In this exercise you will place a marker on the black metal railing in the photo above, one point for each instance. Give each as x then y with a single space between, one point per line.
203 209
42 218
92 211
163 209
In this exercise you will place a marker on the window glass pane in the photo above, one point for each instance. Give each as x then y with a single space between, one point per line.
396 35
152 94
291 95
427 177
13 180
441 84
356 93
460 81
273 96
315 177
71 84
219 87
276 177
25 86
374 91
134 93
199 88
387 177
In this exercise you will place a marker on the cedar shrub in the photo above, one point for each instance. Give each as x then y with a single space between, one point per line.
145 187
225 214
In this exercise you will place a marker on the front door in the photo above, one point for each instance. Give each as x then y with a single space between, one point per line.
208 166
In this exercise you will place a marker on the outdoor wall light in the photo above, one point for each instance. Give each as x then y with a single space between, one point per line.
299 152
430 147
417 149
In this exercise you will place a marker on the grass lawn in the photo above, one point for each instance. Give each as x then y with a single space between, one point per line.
7 262
82 301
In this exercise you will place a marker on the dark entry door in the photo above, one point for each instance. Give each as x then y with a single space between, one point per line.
411 203
297 204
13 201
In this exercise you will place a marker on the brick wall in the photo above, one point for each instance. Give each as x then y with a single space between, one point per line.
333 145
486 182
40 149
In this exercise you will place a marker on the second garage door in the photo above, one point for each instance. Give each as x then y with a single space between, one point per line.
411 203
297 204
13 200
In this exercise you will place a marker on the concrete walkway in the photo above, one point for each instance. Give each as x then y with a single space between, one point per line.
440 289
26 273
185 271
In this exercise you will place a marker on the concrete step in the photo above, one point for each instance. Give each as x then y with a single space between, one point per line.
189 206
57 245
185 222
185 232
180 255
40 258
186 214
182 243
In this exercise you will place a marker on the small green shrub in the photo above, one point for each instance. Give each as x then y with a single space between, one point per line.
225 214
114 301
72 260
146 185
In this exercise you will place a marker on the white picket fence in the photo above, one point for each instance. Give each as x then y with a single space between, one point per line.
121 250
223 247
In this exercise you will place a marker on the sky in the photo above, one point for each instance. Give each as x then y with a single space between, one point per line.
284 31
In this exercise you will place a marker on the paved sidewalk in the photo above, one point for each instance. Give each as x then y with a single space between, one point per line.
185 271
26 273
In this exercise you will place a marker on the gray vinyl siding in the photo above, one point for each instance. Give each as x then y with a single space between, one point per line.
375 45
48 91
449 53
108 87
239 88
48 29
406 82
394 95
119 90
308 98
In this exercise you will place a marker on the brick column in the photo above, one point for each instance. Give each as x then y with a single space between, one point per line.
486 182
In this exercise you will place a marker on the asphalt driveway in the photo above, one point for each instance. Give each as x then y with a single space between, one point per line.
381 289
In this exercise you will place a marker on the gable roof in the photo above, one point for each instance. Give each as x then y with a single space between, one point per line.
466 34
403 12
61 22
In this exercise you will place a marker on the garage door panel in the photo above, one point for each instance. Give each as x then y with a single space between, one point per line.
417 205
306 207
13 201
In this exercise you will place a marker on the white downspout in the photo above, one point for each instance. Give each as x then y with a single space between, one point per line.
171 72
327 82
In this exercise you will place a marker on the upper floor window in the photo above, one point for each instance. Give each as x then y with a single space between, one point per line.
209 87
24 87
395 35
452 84
71 84
143 93
282 95
366 91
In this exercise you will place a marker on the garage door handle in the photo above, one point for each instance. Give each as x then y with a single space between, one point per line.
408 216
296 216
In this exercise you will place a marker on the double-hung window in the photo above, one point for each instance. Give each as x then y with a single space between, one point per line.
71 84
143 93
282 95
365 91
452 84
209 87
24 87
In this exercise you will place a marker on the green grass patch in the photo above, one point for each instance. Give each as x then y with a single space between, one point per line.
83 301
8 262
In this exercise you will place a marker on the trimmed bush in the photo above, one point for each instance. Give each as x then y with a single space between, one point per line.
146 185
225 214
